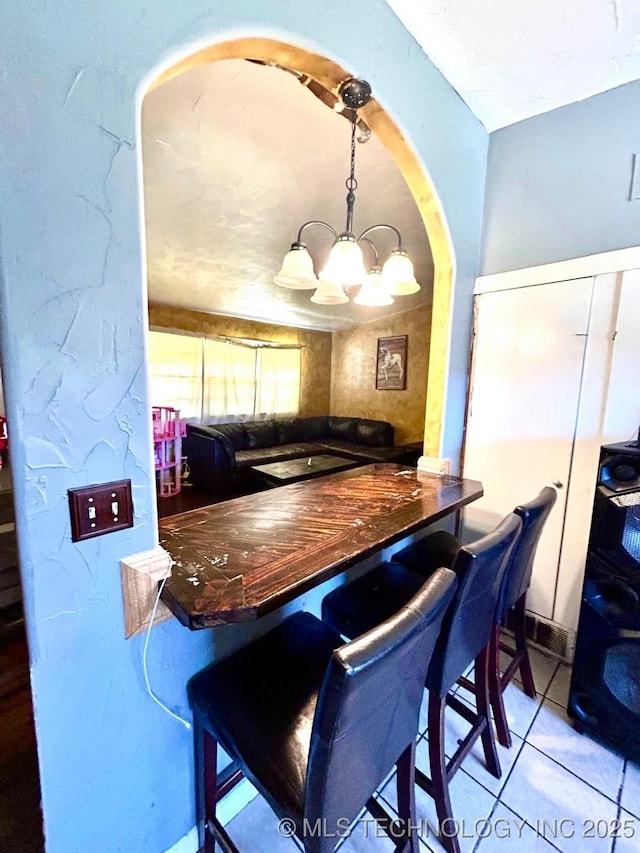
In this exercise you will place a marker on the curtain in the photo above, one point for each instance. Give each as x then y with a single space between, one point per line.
175 372
216 381
278 381
229 381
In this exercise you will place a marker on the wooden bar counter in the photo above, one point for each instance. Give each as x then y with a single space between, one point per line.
237 560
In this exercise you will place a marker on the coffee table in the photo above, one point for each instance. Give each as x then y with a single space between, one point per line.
296 470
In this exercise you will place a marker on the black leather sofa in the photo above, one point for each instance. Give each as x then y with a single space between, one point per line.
222 455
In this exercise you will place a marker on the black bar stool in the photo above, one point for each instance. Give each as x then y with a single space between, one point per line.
316 725
513 600
441 548
464 639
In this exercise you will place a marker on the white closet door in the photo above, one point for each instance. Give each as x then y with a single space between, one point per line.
586 450
623 401
527 369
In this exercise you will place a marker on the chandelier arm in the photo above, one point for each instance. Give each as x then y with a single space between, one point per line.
373 246
382 225
316 222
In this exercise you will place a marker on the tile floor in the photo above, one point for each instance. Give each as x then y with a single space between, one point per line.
559 790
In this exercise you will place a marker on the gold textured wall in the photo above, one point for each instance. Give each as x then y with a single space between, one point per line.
315 384
353 373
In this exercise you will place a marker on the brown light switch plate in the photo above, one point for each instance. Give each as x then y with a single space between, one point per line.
100 509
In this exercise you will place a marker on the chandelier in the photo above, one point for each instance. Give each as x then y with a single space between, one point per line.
345 267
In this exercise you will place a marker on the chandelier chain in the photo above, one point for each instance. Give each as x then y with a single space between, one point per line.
351 182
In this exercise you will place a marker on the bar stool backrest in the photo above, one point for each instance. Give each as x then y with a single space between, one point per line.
518 573
368 708
480 568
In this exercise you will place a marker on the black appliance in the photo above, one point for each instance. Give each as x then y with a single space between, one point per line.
605 688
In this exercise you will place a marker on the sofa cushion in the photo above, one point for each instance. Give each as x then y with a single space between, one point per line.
359 452
336 447
234 432
317 427
289 430
343 428
260 434
376 433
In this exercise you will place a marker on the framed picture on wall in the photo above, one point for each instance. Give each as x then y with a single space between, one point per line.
391 365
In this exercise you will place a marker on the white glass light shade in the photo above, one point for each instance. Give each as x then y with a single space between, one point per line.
375 291
297 272
328 293
398 274
345 265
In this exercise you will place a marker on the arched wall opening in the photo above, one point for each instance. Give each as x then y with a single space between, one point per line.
330 75
73 344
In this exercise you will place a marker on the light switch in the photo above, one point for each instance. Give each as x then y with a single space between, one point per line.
100 509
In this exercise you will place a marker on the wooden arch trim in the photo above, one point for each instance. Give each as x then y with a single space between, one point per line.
331 75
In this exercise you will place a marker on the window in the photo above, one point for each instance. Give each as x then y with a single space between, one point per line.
175 372
278 380
213 379
229 379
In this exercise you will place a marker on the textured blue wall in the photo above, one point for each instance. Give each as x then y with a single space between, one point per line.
558 184
116 771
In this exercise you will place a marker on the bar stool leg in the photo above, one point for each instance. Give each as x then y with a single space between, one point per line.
495 690
406 787
482 704
439 776
520 621
206 786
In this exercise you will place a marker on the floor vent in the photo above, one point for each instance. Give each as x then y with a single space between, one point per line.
549 636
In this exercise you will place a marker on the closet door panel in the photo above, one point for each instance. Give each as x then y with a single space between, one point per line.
586 449
526 376
623 401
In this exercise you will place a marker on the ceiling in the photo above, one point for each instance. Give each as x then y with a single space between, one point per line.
513 60
238 155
